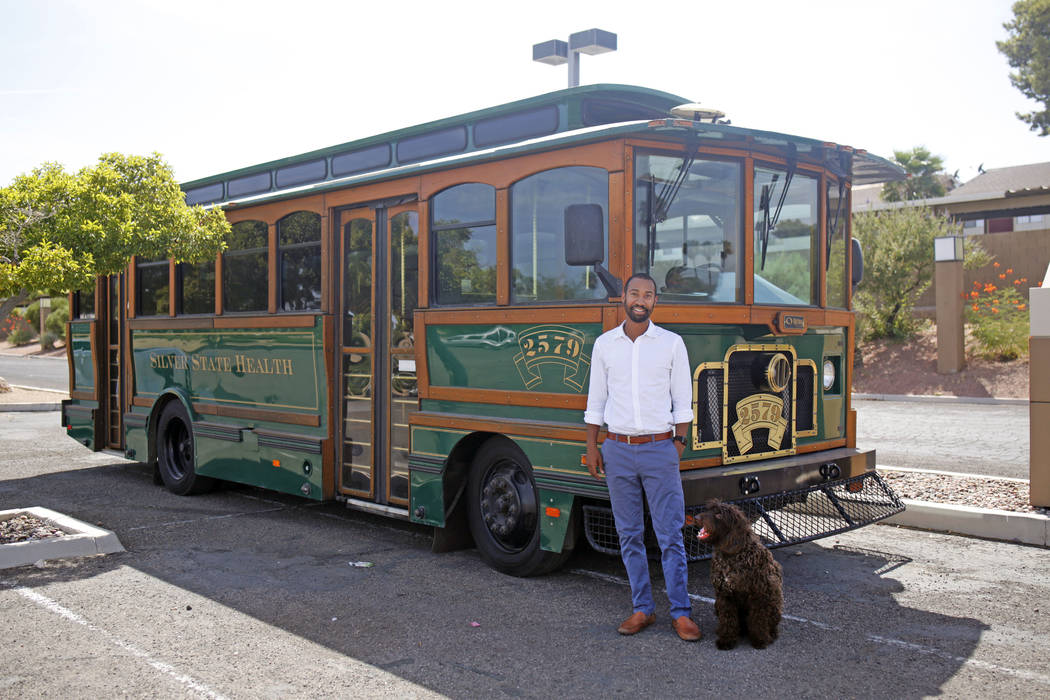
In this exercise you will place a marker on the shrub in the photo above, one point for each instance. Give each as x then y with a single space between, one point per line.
55 323
998 316
9 324
47 340
898 265
21 335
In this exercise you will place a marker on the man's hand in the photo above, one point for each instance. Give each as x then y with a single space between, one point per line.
680 446
595 465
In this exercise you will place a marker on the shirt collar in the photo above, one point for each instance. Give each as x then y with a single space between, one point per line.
652 331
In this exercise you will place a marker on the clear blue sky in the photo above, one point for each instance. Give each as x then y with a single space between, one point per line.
216 85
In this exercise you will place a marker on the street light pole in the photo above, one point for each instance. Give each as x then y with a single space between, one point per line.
590 41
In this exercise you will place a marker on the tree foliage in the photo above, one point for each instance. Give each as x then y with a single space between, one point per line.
1028 51
58 231
925 176
898 265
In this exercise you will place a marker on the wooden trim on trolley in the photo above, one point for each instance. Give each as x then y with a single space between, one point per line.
502 247
84 395
205 322
591 313
747 260
508 398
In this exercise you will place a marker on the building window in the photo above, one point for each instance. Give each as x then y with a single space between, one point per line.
973 227
1001 225
245 276
299 261
538 203
1032 222
463 224
152 288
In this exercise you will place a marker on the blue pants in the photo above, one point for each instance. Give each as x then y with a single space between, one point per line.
650 471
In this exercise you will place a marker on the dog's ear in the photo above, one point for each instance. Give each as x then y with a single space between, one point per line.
736 529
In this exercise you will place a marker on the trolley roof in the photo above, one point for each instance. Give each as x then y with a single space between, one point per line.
566 117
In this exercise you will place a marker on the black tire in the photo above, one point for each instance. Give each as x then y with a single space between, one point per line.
175 452
504 512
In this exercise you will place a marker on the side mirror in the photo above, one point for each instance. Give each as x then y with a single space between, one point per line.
856 265
585 243
584 234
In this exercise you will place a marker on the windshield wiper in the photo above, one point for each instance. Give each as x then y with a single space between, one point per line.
833 229
770 223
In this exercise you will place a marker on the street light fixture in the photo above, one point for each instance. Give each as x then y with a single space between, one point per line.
590 41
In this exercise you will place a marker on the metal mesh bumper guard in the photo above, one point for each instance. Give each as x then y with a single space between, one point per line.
779 519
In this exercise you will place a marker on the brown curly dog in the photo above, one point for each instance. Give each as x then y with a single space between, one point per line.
746 578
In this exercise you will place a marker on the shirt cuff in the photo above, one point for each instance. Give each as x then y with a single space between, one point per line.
680 417
598 419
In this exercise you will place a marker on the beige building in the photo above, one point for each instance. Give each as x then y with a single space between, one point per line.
1009 208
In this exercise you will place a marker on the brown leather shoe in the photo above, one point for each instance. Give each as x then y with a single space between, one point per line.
687 630
636 623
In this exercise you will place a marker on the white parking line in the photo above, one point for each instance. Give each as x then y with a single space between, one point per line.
888 641
167 669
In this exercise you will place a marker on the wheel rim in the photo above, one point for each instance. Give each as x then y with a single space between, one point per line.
178 446
508 505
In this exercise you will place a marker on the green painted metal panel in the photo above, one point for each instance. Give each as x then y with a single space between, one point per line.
83 363
435 442
552 530
545 357
427 491
266 368
79 423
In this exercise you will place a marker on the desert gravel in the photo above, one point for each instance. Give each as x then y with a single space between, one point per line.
962 490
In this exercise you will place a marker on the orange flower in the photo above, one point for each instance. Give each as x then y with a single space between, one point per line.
995 264
975 294
995 311
1021 307
1009 270
1002 276
976 308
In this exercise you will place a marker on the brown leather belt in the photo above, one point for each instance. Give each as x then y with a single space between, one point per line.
639 439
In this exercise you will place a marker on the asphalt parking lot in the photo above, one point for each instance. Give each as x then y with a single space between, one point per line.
246 593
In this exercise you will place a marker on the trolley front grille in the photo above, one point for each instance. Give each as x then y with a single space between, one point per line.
779 519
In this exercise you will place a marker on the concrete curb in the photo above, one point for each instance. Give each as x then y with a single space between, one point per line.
39 406
13 407
1005 400
83 540
1007 526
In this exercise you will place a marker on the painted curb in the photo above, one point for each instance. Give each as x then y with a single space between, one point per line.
83 540
1006 526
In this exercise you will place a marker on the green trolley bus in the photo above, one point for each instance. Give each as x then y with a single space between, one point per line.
403 323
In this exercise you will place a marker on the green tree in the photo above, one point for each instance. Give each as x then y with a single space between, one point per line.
898 265
1028 51
58 231
925 176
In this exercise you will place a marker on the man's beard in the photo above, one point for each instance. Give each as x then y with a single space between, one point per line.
641 310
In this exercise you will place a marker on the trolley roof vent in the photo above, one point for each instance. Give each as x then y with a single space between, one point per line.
697 112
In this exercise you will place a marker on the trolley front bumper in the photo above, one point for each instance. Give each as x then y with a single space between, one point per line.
804 500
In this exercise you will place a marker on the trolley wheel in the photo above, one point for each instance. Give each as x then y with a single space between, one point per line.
175 456
503 510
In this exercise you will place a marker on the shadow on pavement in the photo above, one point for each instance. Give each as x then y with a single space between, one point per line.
287 562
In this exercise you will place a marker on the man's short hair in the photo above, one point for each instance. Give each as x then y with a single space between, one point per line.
640 276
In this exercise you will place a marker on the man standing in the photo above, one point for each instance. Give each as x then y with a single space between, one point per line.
640 388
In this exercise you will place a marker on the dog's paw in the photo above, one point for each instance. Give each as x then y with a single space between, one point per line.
725 644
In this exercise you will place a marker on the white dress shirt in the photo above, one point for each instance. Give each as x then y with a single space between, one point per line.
641 387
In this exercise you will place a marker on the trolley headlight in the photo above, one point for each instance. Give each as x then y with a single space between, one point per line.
829 375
